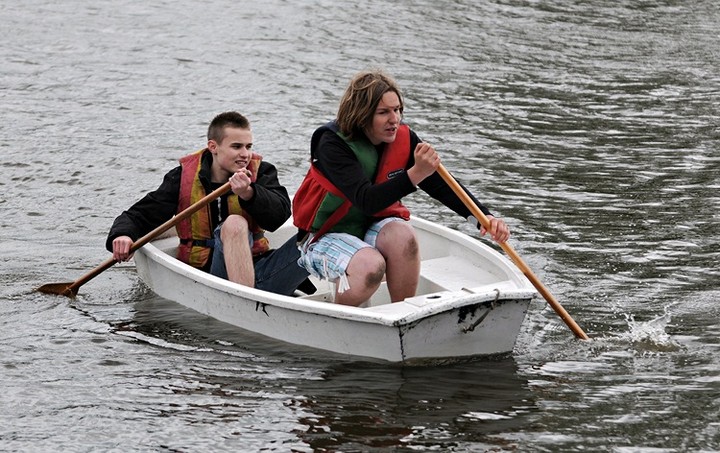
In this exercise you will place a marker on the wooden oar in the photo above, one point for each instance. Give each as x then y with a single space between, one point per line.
485 222
70 289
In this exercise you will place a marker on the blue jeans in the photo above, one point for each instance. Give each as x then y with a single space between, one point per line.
277 271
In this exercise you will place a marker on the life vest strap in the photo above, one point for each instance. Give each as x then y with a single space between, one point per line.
210 243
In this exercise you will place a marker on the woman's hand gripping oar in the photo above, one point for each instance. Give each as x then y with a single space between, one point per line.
485 222
70 289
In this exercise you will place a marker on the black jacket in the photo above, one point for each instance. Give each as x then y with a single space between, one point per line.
269 206
337 162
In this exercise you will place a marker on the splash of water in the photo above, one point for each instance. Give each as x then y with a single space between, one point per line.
650 336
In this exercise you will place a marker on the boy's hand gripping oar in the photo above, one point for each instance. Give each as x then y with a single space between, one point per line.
70 289
485 222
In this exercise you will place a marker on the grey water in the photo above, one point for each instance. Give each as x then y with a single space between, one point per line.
591 127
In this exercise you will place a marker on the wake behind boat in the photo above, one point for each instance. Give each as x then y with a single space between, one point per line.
471 301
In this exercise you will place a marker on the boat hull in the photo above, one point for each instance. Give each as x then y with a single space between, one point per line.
447 324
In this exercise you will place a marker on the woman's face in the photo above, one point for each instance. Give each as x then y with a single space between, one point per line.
386 119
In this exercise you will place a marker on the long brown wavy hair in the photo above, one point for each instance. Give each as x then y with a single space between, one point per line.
360 100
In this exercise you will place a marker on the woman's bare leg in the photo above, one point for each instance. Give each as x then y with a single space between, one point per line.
399 246
365 273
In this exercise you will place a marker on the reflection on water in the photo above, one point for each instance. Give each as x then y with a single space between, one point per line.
370 407
343 405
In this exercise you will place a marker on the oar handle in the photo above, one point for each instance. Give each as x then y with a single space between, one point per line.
190 210
485 222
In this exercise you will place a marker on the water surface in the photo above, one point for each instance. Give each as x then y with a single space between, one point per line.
591 127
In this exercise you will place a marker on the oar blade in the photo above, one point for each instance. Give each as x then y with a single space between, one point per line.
60 289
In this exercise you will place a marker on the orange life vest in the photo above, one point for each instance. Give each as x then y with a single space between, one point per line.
195 231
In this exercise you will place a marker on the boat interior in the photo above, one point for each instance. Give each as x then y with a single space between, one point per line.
445 266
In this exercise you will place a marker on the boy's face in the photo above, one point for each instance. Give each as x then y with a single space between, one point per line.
235 150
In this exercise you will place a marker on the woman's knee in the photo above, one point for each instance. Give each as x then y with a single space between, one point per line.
398 237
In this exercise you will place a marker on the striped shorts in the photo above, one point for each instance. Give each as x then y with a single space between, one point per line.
328 257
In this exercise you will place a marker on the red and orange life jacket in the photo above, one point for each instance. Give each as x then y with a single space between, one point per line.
195 231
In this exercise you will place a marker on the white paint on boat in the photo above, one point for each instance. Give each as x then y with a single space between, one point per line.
471 301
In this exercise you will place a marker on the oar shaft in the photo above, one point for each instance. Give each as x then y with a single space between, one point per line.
181 216
544 291
70 289
108 263
485 222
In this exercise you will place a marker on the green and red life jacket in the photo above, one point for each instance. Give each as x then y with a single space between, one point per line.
195 231
319 207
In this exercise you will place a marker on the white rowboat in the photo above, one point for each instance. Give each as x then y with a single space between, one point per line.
471 302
